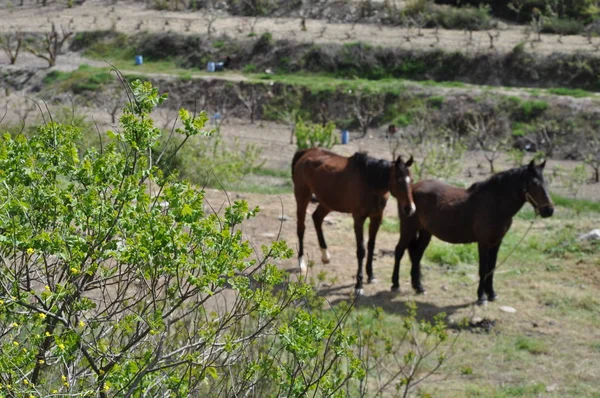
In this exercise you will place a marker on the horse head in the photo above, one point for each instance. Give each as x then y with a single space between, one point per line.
536 192
400 185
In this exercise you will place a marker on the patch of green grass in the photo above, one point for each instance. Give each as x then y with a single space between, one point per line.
283 173
531 345
447 254
243 186
218 44
83 79
578 205
526 390
250 68
532 109
436 101
571 92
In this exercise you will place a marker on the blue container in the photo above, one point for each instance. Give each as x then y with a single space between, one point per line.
210 67
345 136
139 60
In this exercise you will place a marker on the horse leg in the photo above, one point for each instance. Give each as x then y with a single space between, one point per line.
484 255
408 233
359 223
302 198
373 228
318 217
415 251
489 286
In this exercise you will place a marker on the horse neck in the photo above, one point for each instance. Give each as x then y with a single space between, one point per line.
509 194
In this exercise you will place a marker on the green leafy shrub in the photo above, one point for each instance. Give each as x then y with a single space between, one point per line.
562 26
442 157
315 135
111 271
531 109
463 18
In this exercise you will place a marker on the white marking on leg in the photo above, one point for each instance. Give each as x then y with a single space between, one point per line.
413 208
325 257
302 263
407 179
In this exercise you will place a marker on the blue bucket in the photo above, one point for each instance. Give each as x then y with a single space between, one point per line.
345 136
139 60
210 66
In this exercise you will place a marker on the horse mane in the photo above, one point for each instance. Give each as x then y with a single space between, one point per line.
376 172
498 181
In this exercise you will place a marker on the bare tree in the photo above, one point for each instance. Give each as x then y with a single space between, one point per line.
210 15
483 130
112 101
591 154
290 117
537 24
251 98
50 46
366 109
544 136
492 38
11 44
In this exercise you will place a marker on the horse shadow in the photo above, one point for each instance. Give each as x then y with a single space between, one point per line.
386 301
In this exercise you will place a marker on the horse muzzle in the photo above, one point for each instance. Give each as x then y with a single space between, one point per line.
546 211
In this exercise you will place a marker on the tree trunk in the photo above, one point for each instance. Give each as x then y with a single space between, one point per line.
597 174
365 130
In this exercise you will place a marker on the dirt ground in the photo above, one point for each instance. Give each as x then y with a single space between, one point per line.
98 15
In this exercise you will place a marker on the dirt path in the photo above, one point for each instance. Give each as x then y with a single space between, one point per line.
129 18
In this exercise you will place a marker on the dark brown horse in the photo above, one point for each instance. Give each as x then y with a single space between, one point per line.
359 185
483 214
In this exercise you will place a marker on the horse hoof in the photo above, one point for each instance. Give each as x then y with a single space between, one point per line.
302 263
372 280
359 292
325 257
482 302
396 289
492 297
421 292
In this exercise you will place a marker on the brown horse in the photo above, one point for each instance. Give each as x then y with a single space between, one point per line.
359 185
483 214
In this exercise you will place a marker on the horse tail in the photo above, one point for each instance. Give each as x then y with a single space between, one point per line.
296 158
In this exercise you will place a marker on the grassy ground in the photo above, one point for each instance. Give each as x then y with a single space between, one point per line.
551 345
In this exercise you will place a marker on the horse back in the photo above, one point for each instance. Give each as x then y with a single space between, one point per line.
445 211
335 181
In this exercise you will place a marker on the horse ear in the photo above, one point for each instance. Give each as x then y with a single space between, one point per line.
398 161
541 166
532 164
410 161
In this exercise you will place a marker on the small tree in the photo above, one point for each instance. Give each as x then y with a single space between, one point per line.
315 135
251 97
210 14
51 45
442 156
482 129
11 44
591 153
417 350
367 107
